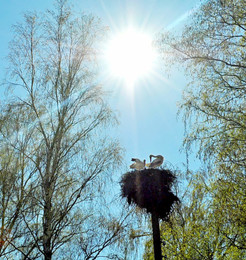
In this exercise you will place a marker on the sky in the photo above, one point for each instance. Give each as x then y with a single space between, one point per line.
147 115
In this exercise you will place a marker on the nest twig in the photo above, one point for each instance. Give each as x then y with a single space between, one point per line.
150 189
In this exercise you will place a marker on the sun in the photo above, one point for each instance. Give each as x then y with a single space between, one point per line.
130 55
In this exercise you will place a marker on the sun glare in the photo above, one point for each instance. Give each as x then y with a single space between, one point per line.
130 55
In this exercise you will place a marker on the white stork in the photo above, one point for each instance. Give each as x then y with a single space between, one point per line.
138 165
157 162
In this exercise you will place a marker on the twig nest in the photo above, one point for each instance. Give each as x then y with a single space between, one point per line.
150 189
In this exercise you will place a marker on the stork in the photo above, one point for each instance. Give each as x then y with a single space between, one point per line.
138 164
157 162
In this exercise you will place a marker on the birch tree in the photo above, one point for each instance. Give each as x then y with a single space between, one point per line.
59 156
212 49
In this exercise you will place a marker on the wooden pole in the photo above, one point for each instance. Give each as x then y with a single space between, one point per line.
156 236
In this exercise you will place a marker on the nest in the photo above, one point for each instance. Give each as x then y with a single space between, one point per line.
150 189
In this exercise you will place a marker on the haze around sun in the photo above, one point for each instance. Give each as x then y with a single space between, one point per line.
130 55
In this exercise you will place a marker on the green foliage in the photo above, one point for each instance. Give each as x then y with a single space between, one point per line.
56 158
199 228
211 222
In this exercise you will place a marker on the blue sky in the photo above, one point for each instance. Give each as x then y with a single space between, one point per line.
148 119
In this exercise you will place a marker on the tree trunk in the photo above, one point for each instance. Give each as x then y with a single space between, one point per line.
156 236
47 227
